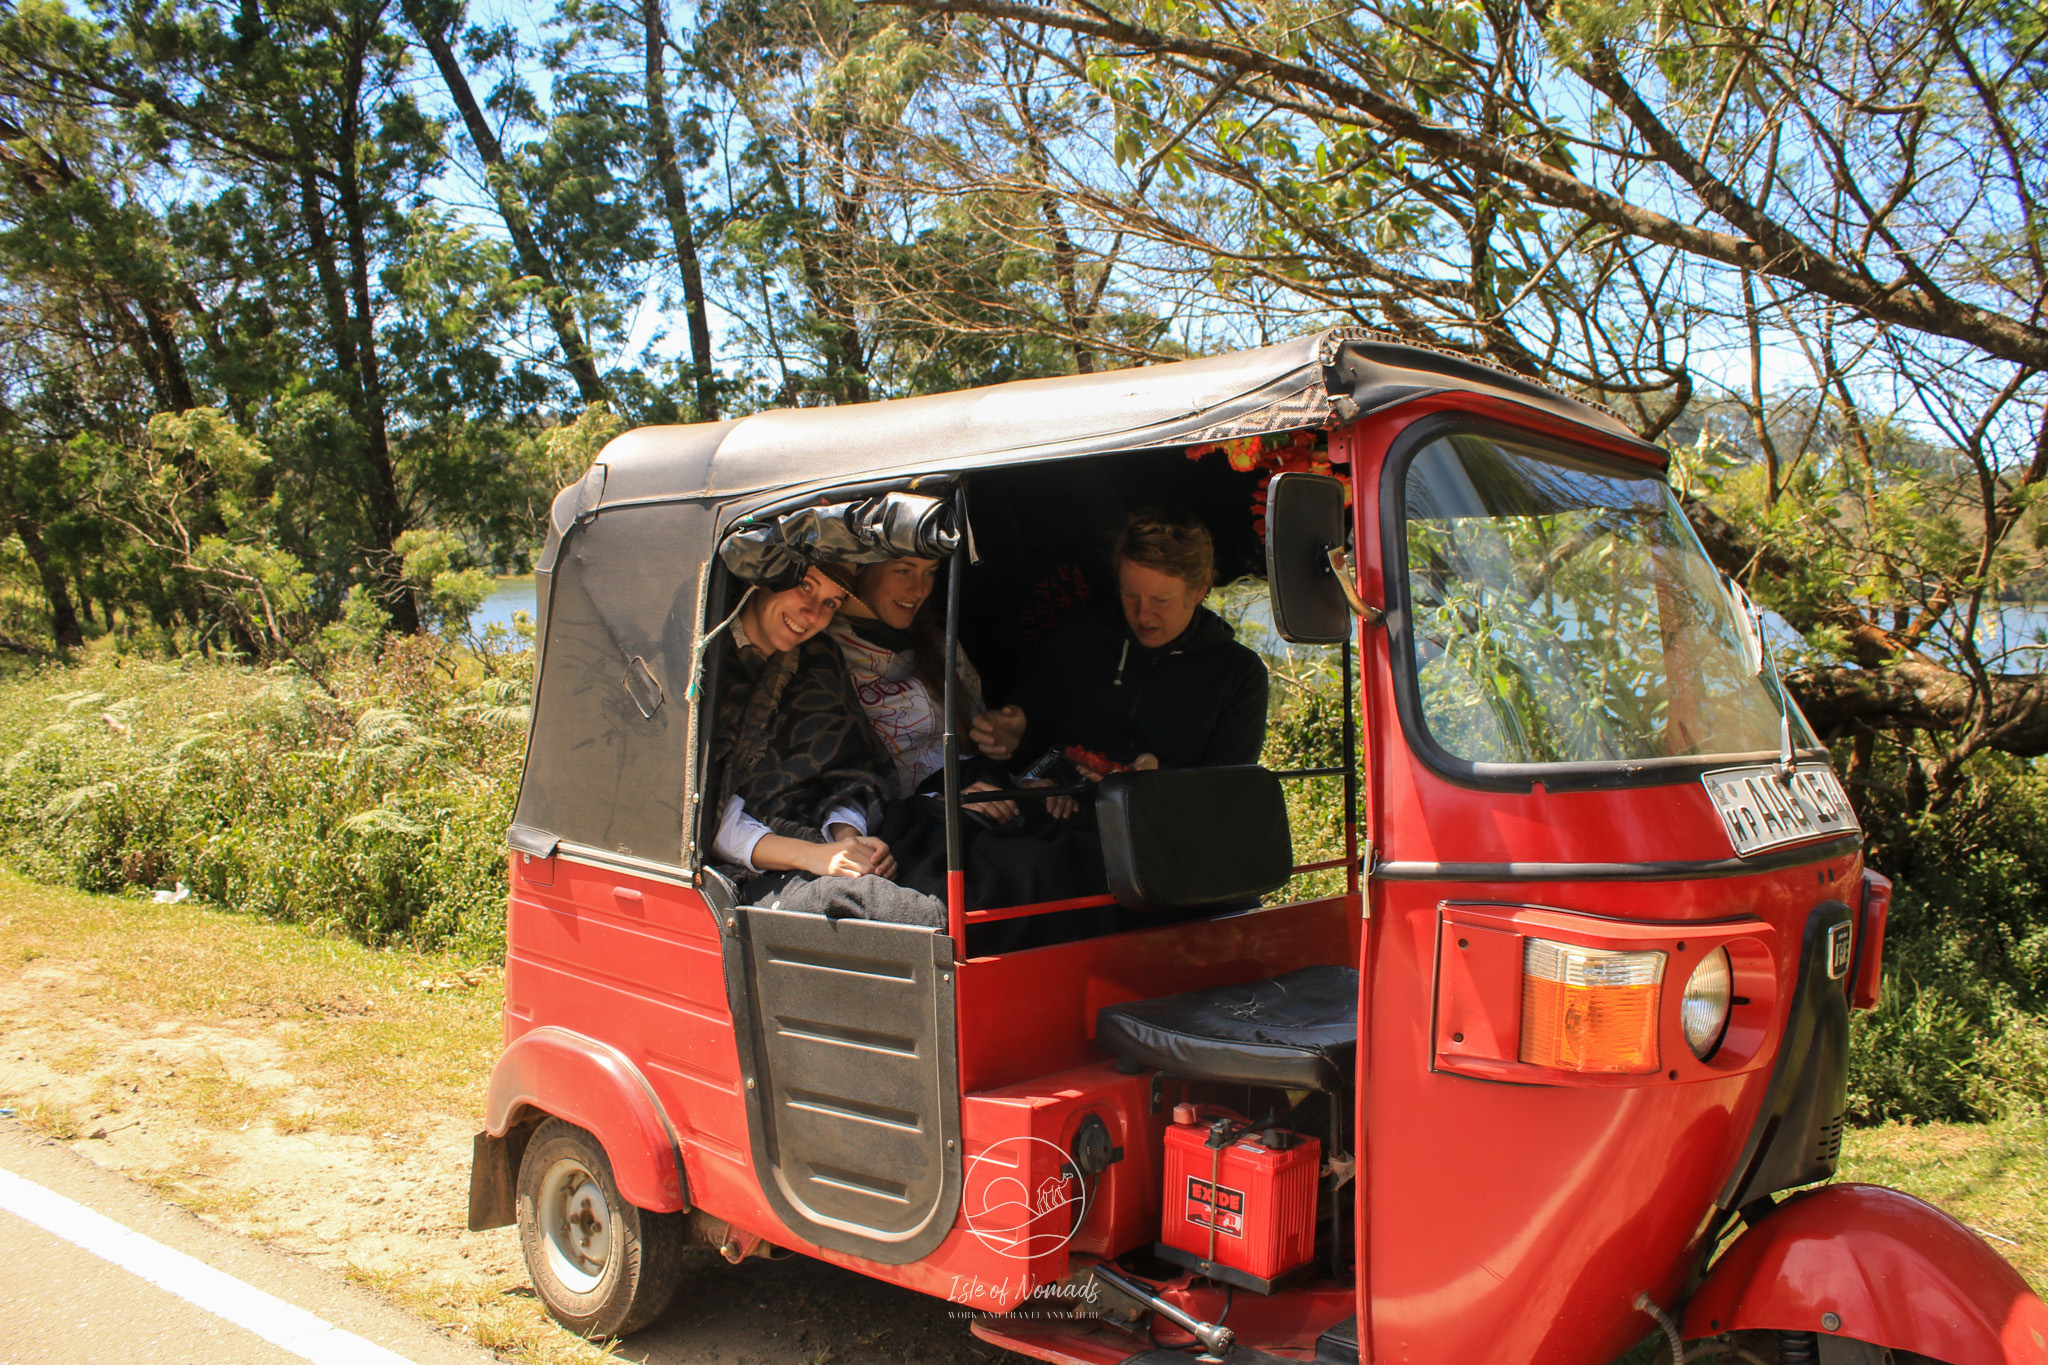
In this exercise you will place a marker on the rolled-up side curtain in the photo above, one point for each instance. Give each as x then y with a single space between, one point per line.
777 554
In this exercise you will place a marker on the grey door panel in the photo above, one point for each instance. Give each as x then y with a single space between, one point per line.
846 1034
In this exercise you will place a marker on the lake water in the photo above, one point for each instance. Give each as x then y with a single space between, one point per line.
514 593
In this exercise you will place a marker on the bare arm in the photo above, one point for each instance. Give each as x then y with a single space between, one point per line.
852 855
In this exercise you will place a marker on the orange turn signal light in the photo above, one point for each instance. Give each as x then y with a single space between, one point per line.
1590 1009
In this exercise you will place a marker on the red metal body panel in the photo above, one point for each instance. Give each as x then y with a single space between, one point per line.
593 1086
1470 1250
637 960
1892 1270
644 973
1866 978
1033 1013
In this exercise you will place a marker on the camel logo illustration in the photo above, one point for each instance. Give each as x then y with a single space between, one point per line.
1024 1197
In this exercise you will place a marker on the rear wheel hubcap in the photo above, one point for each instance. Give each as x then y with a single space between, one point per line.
575 1226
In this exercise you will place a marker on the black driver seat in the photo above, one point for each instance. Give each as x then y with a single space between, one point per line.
1297 1031
1214 838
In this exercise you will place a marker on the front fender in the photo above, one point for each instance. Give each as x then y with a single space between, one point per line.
595 1087
1892 1270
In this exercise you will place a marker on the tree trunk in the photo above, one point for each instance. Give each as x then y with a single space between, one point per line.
387 513
1860 759
163 338
340 333
63 616
532 260
675 201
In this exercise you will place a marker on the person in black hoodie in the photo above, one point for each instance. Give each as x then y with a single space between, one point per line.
1153 680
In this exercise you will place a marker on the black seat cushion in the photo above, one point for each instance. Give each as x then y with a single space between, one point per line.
1193 838
1298 1031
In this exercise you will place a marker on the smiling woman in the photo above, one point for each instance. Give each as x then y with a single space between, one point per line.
802 782
895 656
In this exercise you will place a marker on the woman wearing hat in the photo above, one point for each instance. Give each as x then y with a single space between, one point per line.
801 780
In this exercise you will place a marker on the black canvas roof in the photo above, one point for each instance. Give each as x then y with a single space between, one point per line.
1318 380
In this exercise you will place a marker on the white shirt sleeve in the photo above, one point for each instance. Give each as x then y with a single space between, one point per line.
738 832
840 815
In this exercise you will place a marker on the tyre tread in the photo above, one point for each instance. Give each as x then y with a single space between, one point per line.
649 1246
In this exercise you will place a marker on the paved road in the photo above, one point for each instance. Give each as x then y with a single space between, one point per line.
60 1302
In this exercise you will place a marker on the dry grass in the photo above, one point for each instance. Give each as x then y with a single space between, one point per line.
51 1120
198 1191
509 1321
377 1042
376 1029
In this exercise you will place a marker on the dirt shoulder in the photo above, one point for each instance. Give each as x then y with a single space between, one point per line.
321 1096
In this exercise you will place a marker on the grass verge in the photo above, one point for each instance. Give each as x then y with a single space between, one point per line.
305 1091
395 1032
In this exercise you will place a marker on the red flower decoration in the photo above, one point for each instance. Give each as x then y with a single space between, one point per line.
1276 453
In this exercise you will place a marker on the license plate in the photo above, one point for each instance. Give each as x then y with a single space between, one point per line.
1760 809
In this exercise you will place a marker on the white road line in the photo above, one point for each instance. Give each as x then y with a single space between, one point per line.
218 1293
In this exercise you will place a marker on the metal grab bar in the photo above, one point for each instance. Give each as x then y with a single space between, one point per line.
1020 793
1003 912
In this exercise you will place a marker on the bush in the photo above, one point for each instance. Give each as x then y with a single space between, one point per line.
1961 1033
378 812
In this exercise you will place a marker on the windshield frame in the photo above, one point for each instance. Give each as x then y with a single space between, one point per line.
1591 775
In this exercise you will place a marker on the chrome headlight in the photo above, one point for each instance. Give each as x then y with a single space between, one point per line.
1703 1010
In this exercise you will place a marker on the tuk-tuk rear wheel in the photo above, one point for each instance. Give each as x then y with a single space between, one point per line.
601 1266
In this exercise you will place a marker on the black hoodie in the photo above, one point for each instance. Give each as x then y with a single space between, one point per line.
1196 702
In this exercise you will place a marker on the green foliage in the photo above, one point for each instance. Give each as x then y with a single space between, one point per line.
1962 1032
378 813
443 577
1304 729
360 628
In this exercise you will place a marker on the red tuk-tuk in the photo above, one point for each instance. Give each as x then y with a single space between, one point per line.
1530 1082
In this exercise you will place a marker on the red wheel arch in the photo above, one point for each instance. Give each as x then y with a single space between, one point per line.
594 1086
1887 1268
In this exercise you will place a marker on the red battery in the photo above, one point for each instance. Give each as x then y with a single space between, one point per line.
1244 1213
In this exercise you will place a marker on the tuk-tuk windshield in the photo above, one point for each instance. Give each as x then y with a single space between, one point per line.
1563 612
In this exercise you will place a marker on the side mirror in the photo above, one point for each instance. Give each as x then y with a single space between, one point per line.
1307 572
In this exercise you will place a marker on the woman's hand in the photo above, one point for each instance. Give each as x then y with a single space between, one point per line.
998 733
1002 812
1058 807
854 856
848 853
